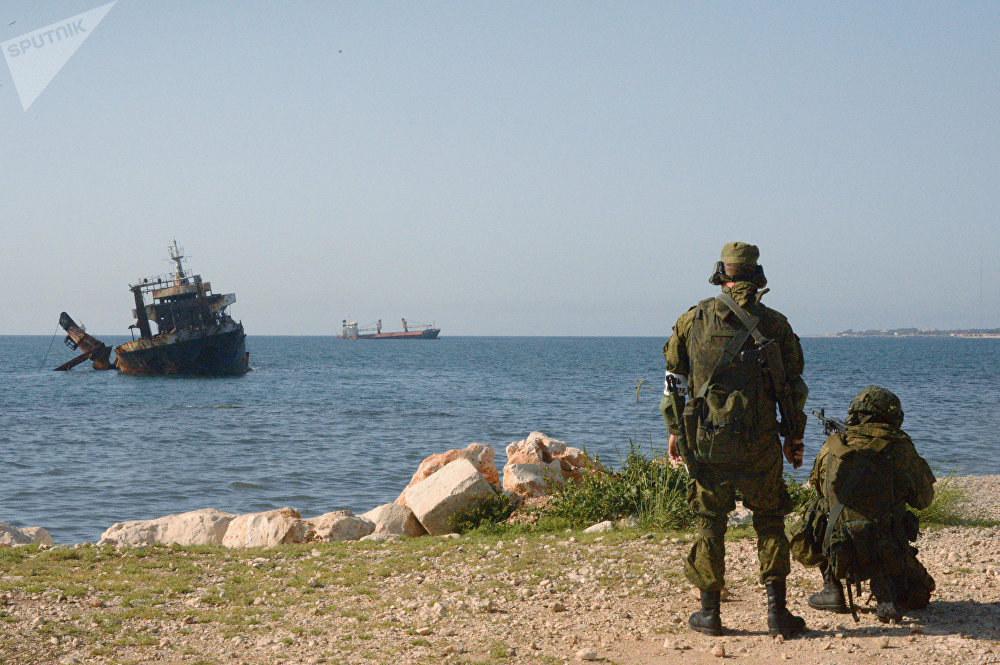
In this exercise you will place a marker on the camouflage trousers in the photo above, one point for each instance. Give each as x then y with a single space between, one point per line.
711 498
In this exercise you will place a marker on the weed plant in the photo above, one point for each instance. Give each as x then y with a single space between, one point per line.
646 488
486 515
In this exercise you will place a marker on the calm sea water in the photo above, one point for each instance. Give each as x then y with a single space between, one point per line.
323 424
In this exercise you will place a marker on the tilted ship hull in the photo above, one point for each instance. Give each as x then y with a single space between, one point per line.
217 351
195 334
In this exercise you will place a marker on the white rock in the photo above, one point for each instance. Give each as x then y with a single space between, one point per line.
393 518
37 534
600 527
453 488
480 454
197 527
338 525
266 529
381 537
741 516
587 654
11 535
530 480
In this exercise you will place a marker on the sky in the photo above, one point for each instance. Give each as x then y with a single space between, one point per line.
508 168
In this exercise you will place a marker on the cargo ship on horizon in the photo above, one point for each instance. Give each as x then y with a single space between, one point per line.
351 330
195 334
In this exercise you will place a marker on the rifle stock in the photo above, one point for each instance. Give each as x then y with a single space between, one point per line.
675 402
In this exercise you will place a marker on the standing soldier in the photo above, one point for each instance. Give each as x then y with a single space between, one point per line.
737 360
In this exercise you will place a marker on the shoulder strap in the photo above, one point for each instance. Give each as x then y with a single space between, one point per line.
748 319
732 348
831 521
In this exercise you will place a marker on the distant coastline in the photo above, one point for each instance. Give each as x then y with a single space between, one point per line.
985 333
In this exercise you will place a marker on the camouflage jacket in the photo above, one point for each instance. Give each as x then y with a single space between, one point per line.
772 325
913 481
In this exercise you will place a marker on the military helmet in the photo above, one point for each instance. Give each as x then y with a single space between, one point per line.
875 404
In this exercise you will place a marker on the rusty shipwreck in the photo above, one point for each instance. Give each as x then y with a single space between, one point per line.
195 333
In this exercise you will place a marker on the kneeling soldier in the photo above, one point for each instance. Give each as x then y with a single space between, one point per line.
859 527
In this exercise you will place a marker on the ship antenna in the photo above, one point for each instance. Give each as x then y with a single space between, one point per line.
177 254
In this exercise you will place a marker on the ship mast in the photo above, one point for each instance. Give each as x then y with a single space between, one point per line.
176 255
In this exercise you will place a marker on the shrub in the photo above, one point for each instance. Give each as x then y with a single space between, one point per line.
802 495
648 489
485 514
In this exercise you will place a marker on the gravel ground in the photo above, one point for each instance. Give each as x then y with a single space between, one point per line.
983 494
537 599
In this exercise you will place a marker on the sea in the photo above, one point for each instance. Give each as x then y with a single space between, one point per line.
322 424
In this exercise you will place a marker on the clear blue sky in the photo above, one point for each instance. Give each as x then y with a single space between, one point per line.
508 167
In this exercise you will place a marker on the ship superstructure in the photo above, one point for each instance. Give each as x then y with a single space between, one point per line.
194 332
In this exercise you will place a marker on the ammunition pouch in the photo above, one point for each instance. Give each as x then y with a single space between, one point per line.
805 537
719 425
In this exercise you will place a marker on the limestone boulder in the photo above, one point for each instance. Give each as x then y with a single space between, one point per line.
267 529
455 487
11 535
338 525
528 451
540 458
37 534
531 480
198 527
394 519
481 456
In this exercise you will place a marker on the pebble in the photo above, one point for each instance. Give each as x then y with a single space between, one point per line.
558 607
586 654
424 630
884 644
718 650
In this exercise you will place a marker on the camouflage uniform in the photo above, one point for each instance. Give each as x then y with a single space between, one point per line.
753 464
758 476
873 424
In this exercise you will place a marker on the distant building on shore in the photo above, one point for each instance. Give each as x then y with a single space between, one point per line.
918 332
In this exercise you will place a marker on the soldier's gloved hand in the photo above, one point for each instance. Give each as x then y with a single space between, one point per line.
673 453
793 451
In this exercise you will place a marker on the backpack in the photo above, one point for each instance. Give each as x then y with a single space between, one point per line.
867 530
722 416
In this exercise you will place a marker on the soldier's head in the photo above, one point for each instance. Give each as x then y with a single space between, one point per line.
875 404
739 264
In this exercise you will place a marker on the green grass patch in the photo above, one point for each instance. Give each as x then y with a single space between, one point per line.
646 488
486 514
951 508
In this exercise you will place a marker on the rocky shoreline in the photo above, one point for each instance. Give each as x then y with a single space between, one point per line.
615 596
443 486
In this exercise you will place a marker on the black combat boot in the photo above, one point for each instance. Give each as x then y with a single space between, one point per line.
779 620
831 598
708 621
886 606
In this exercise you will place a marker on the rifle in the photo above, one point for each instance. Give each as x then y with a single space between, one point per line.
830 425
675 404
